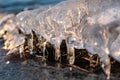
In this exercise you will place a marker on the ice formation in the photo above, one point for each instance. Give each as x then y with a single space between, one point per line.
84 24
56 23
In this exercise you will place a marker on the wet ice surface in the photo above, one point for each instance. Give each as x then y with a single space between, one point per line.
56 26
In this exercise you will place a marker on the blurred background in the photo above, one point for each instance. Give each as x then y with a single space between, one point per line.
14 6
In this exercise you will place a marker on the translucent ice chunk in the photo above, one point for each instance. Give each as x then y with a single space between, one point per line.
56 21
83 23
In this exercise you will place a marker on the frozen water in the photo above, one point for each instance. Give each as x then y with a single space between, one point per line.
56 21
82 23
